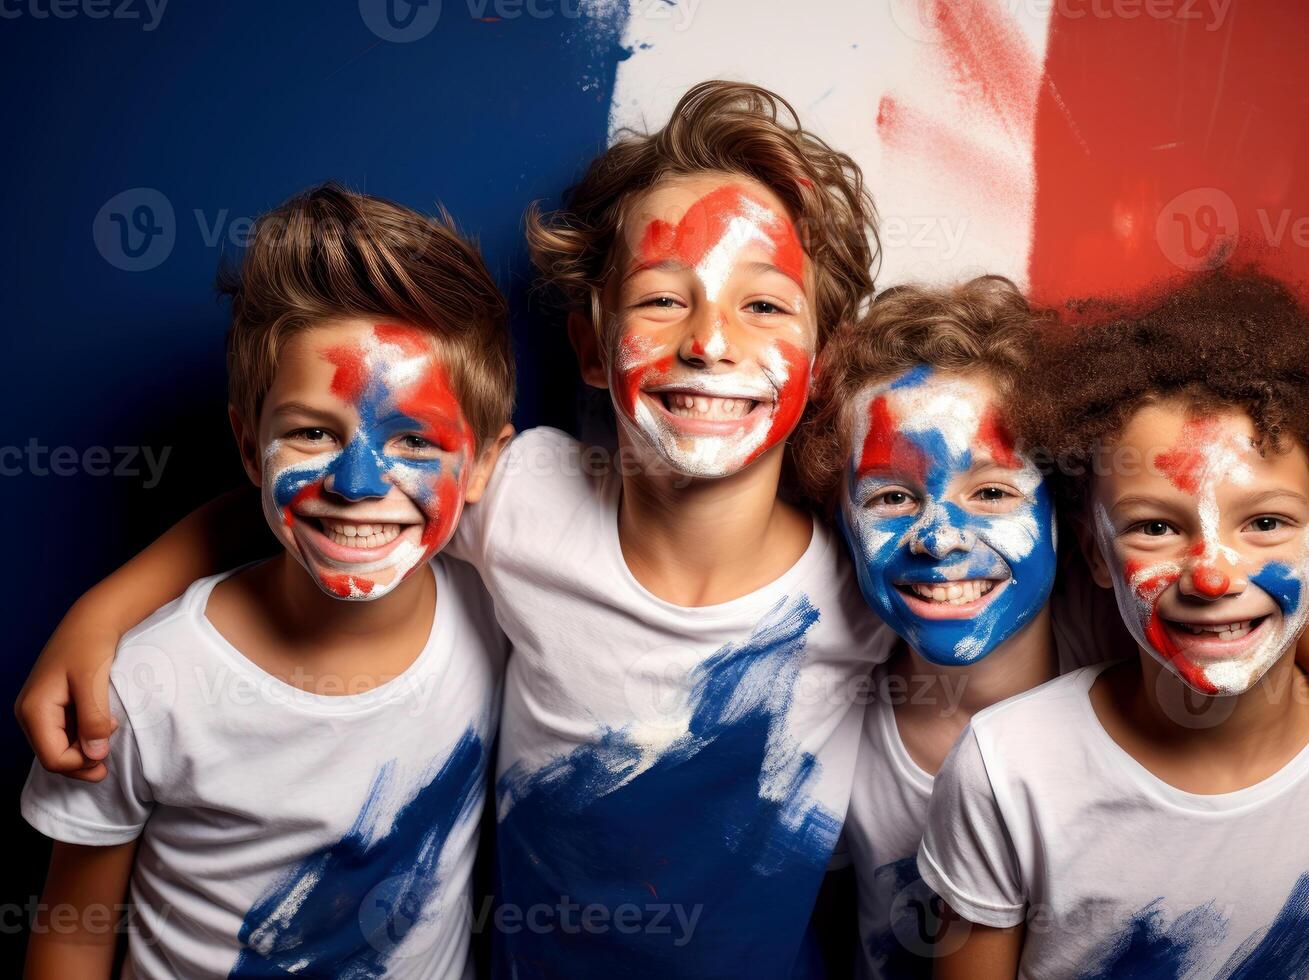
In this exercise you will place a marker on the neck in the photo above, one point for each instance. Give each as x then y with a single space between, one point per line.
698 542
1274 712
1022 662
318 621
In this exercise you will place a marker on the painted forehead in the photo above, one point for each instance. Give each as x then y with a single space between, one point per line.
391 371
720 227
924 418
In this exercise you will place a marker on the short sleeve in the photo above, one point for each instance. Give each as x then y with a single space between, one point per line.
967 856
112 811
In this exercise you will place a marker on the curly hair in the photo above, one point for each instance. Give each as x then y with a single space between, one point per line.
718 127
1225 338
983 325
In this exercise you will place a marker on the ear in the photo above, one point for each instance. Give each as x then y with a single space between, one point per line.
484 466
586 344
1095 559
247 444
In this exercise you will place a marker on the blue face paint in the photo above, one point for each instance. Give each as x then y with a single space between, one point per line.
398 478
953 554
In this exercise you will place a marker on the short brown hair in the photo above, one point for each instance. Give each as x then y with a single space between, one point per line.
719 127
331 253
983 325
1232 337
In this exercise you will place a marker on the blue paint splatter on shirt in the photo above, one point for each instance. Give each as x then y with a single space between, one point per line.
907 914
691 869
1147 950
313 921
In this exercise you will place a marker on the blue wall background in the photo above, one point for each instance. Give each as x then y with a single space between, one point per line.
226 109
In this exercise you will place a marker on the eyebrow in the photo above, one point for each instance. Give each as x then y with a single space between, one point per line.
670 265
1267 495
293 408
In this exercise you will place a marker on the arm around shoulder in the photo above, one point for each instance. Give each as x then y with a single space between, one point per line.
63 707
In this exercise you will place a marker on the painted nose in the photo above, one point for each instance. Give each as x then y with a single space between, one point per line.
707 343
939 536
357 474
1211 578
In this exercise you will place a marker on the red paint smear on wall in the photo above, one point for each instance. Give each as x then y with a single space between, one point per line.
706 222
988 54
1163 142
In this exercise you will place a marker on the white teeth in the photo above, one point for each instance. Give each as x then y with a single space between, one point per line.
954 593
1224 631
706 407
360 535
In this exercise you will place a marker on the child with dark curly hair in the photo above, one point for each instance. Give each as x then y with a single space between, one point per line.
1145 816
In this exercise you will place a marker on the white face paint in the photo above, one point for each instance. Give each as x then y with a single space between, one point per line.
712 347
365 455
1207 545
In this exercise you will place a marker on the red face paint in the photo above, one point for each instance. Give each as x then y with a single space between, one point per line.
712 383
729 210
884 450
389 493
1185 463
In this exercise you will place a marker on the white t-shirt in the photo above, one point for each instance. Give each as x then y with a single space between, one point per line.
888 810
679 775
282 830
899 916
1039 815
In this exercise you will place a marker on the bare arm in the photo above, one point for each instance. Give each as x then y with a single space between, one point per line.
968 951
75 931
64 706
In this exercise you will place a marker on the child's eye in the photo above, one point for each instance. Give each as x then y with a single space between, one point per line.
660 303
312 435
993 494
898 500
1154 529
764 308
1266 523
417 443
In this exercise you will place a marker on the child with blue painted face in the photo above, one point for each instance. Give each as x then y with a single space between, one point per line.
952 531
1145 817
295 785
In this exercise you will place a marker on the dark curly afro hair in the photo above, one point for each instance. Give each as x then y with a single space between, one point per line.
1225 338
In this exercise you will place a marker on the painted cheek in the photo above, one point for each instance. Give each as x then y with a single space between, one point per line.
638 363
792 395
1148 583
1284 585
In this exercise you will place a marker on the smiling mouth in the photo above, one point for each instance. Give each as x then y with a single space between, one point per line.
1216 641
352 543
705 408
963 599
949 593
